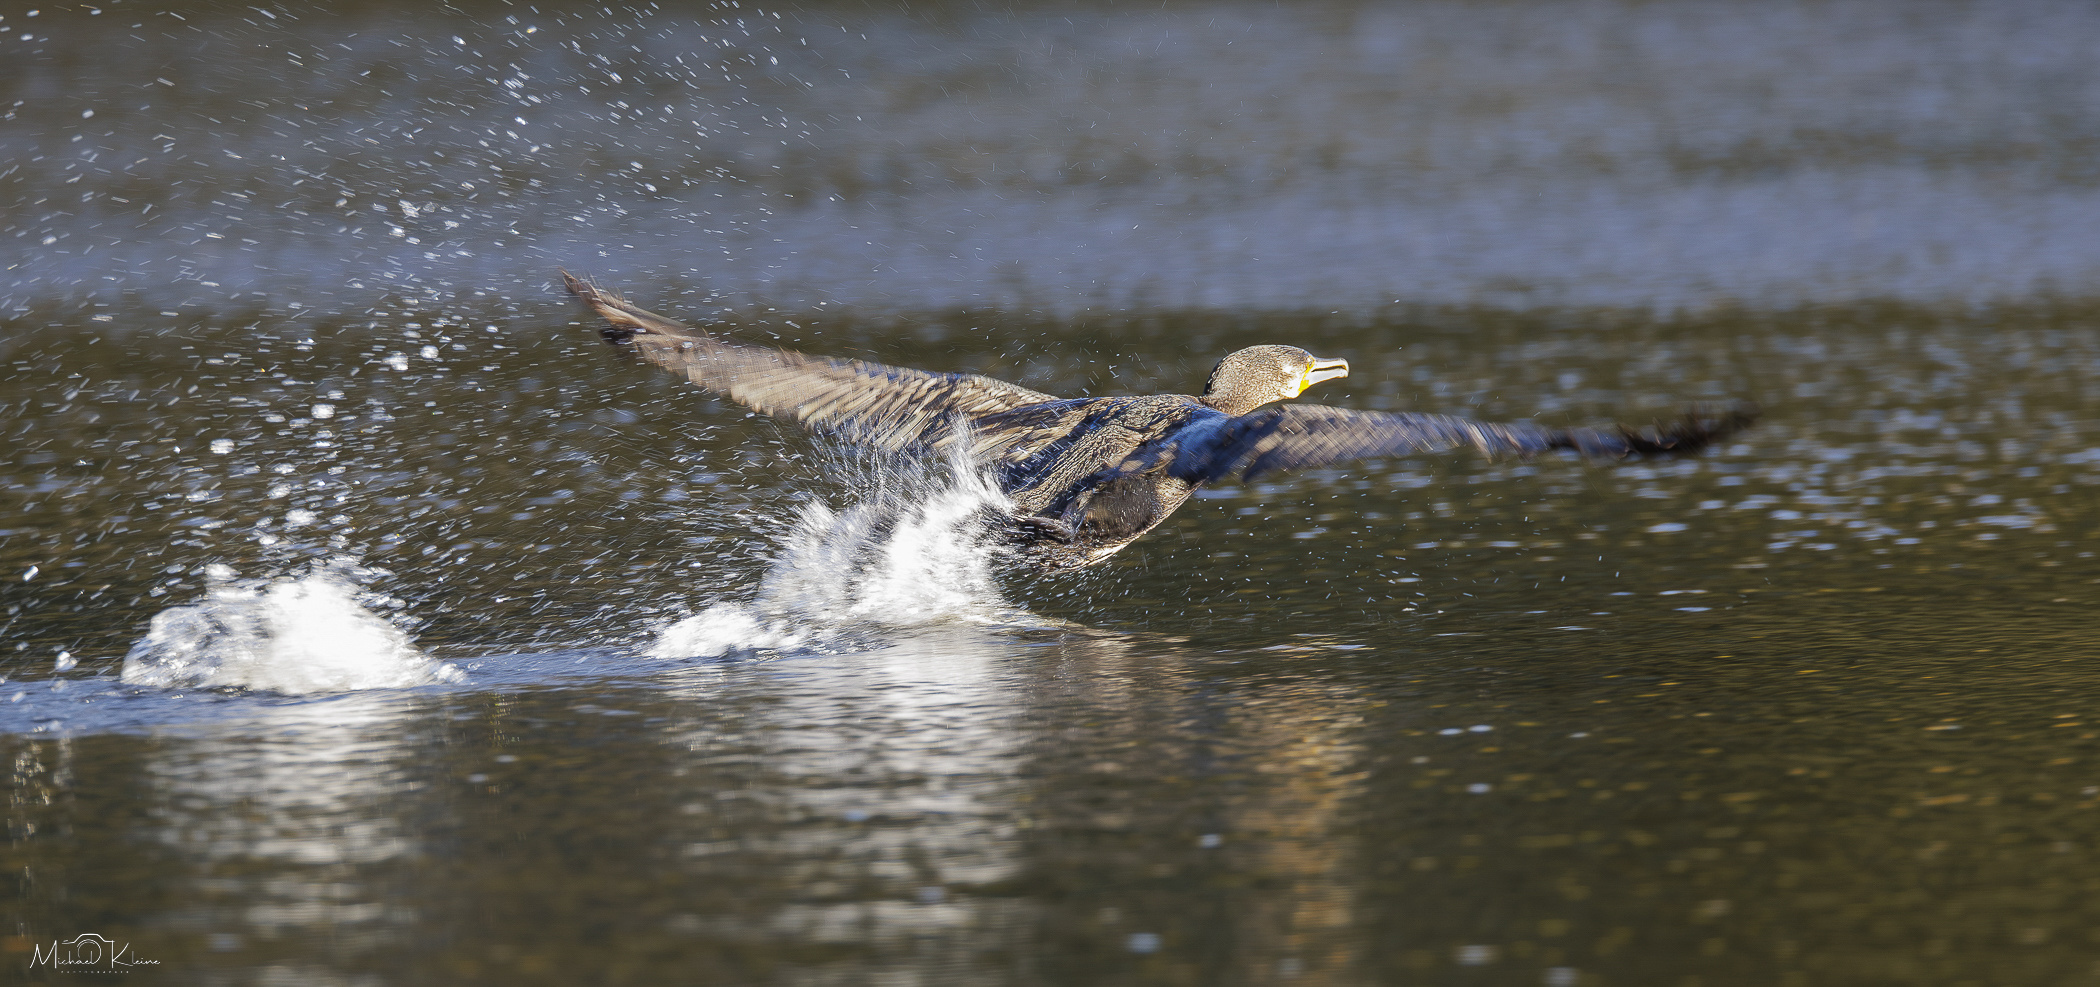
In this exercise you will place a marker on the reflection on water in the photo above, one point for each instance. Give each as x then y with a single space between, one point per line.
1808 709
266 823
899 766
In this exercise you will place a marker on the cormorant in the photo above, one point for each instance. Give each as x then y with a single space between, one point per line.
1087 476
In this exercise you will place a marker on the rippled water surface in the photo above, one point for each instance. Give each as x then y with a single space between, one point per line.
367 620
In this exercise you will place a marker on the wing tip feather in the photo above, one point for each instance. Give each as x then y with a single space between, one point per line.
623 321
1699 428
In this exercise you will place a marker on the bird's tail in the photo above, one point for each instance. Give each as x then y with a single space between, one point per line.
1688 434
622 319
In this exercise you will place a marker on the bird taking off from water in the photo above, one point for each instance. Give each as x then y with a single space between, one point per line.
1087 476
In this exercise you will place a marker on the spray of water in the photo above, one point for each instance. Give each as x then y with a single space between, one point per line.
912 550
293 635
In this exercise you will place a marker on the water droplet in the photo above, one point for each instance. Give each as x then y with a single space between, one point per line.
1476 955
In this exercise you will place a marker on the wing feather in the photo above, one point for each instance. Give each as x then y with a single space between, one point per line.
1302 436
885 406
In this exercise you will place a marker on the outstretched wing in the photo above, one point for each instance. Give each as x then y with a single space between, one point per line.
1300 436
884 406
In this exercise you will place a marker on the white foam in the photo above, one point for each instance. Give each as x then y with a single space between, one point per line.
914 551
293 635
723 628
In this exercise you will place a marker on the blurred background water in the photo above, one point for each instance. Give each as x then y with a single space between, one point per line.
293 413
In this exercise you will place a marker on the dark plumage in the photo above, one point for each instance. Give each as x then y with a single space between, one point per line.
1087 476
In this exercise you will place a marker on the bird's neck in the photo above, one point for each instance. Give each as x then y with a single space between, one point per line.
1231 404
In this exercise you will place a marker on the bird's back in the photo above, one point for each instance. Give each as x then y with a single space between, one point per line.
1069 462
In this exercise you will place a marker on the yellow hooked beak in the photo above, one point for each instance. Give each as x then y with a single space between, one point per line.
1319 370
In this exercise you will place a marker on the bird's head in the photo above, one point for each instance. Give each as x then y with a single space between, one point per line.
1258 375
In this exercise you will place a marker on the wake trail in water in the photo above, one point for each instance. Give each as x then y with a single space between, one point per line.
914 550
291 635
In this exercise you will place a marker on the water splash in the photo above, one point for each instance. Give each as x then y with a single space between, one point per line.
914 550
292 635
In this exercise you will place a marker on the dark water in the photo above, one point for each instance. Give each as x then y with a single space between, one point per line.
1812 709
